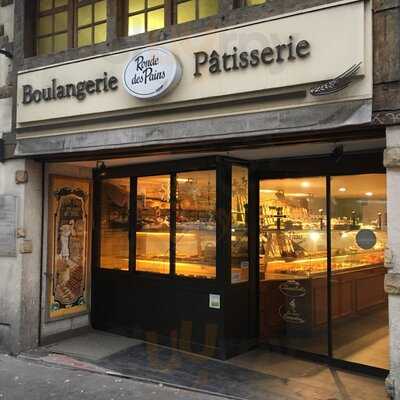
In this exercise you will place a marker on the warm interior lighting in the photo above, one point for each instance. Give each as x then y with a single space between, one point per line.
369 194
305 184
314 236
342 189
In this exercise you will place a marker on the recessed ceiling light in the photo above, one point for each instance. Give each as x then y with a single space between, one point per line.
369 194
342 189
305 184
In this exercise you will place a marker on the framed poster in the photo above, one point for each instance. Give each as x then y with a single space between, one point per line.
69 225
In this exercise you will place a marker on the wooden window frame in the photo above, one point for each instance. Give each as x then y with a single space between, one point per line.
72 30
170 13
167 6
52 12
77 4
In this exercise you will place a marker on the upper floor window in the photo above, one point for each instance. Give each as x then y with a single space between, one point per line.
62 24
148 15
190 10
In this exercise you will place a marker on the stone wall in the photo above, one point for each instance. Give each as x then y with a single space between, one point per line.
19 282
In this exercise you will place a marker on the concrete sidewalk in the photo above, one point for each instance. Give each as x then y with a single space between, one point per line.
21 379
256 375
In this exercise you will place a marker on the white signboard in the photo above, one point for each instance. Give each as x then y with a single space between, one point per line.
277 54
152 73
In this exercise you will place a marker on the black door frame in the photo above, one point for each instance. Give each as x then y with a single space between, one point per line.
354 163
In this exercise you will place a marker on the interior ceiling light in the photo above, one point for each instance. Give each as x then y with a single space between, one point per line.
342 189
369 194
305 184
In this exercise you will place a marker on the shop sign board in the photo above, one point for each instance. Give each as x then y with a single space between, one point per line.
280 53
8 226
152 73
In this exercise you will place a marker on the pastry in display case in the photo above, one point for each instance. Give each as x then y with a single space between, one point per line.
239 225
196 224
294 253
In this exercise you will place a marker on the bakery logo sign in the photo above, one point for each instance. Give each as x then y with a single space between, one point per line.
152 73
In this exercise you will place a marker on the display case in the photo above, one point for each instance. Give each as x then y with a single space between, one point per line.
306 237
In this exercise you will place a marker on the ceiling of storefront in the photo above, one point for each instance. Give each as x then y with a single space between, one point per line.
259 153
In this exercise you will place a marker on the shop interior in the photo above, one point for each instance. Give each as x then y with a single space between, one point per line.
320 255
294 266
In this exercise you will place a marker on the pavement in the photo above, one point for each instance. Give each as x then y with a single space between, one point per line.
102 364
22 379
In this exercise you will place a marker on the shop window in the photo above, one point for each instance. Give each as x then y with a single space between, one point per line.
62 24
196 224
114 238
190 10
153 224
358 300
239 225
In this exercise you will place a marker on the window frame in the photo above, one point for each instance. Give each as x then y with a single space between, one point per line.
171 168
72 30
170 14
126 15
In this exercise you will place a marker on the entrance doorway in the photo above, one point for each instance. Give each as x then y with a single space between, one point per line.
321 261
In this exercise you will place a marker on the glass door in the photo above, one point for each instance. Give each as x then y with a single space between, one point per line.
293 263
319 293
358 302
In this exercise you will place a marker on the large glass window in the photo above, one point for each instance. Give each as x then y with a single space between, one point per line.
359 303
239 225
196 224
293 263
153 224
114 222
61 24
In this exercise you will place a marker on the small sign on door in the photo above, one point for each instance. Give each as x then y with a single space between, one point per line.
215 301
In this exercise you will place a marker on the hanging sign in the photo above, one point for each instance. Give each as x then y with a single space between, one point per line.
152 73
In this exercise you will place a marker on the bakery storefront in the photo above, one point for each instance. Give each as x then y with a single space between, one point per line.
218 191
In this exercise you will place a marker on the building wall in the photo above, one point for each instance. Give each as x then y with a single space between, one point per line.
19 283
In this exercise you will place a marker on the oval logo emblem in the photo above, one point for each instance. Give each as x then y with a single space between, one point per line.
152 73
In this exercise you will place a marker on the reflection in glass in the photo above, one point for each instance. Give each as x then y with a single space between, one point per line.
45 5
136 24
293 263
254 2
196 224
136 5
85 37
154 3
60 42
359 236
153 224
45 25
186 11
114 238
100 11
60 3
85 15
60 21
45 45
208 8
239 225
155 19
100 33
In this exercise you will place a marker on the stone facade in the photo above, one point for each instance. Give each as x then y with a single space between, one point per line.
20 290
